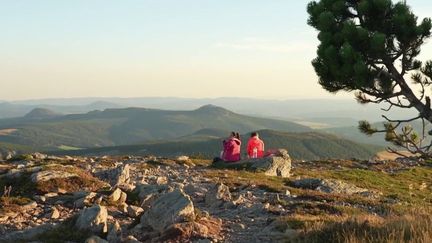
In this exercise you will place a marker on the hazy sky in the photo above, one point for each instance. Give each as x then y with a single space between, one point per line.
185 48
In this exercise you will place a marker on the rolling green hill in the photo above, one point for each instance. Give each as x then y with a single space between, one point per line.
306 145
205 134
130 126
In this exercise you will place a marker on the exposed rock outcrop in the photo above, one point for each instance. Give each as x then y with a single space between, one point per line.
93 219
170 208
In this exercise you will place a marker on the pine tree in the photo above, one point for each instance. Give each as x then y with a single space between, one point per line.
371 48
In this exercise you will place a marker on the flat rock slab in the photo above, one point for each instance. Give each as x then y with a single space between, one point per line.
47 175
329 186
278 164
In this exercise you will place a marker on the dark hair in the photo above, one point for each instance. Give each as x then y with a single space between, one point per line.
254 134
233 134
237 135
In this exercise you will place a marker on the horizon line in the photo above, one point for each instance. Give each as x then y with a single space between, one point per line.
101 98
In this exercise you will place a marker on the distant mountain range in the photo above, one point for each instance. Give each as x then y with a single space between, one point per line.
127 126
18 109
314 112
305 145
165 132
334 116
51 127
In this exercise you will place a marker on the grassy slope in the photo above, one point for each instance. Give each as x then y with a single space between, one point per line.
400 214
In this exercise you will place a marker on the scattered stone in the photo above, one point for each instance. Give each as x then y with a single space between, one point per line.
203 241
144 190
39 156
50 195
7 155
123 208
274 199
86 200
134 211
177 185
119 176
94 219
202 228
39 199
168 209
161 180
26 235
115 195
131 239
61 191
55 214
238 226
216 196
329 186
80 194
123 198
95 239
182 158
174 203
114 232
29 206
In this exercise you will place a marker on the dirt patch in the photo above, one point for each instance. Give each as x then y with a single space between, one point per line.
384 155
5 132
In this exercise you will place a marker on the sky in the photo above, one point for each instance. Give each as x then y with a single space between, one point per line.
160 48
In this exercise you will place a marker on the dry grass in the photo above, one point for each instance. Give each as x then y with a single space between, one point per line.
413 227
199 162
410 186
12 204
235 178
329 217
84 181
22 186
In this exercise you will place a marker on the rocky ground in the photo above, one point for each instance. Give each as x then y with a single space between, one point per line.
149 199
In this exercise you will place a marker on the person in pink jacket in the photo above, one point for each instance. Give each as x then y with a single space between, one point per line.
231 146
255 146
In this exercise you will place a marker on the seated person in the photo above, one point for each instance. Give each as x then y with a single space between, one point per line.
255 146
231 146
